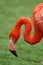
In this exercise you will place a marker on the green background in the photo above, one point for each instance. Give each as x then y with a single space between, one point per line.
10 12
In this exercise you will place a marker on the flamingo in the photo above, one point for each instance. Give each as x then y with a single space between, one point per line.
38 29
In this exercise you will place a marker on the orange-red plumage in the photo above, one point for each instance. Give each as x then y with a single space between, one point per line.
38 27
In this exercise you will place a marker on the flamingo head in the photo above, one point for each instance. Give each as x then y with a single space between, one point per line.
12 44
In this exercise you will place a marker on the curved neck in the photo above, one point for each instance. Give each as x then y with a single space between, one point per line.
28 27
22 21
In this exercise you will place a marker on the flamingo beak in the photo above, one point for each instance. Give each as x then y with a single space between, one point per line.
12 48
13 52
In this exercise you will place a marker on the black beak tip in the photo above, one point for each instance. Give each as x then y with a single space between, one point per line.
13 52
